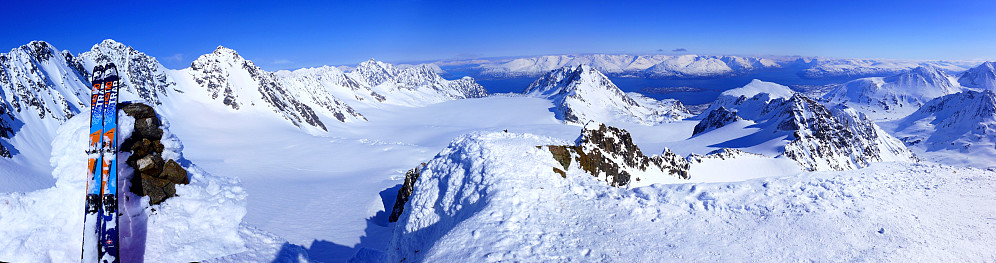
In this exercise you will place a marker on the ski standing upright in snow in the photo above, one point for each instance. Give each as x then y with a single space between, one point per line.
91 222
109 214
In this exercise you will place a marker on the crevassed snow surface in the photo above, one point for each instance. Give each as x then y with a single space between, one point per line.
492 197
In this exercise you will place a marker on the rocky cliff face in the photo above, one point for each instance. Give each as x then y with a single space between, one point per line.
239 83
141 75
715 119
826 139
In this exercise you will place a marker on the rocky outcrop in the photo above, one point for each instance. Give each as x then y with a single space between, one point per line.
154 177
406 191
717 118
609 153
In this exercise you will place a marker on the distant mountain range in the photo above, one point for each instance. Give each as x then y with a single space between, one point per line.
694 66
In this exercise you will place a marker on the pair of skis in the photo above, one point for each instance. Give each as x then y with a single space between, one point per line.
100 224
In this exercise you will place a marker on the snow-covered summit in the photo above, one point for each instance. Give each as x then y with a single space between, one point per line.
142 76
582 93
956 128
893 97
757 87
980 77
750 98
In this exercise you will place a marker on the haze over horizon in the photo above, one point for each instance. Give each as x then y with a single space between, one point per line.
296 35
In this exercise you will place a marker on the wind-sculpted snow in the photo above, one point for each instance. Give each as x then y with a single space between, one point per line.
981 77
492 197
201 222
239 83
893 97
582 93
141 75
958 128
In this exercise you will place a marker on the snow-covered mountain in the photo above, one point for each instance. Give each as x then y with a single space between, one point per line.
980 77
582 93
883 98
956 128
142 76
802 129
846 67
693 66
40 88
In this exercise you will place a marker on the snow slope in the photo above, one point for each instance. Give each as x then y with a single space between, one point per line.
492 197
655 66
957 129
981 77
40 88
894 97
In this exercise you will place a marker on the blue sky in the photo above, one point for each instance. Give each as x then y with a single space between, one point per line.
302 34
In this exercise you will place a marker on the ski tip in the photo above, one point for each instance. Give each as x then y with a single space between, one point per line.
98 74
111 73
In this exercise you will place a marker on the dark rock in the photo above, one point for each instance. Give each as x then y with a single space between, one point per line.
157 189
174 173
717 118
406 191
151 164
599 147
148 128
139 111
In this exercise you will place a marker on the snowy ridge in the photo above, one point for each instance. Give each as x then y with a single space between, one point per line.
491 197
142 77
957 128
582 93
238 83
418 85
893 97
980 77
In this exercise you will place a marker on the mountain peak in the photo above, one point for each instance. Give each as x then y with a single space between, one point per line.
757 87
982 76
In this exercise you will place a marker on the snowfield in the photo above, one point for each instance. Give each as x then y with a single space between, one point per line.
492 197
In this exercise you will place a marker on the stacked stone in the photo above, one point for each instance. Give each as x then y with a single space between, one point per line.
154 177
